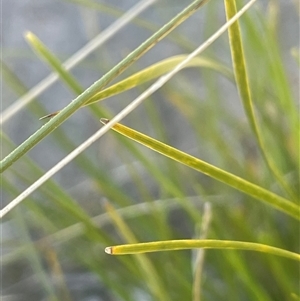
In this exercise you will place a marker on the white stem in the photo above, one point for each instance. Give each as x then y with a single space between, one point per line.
160 82
75 59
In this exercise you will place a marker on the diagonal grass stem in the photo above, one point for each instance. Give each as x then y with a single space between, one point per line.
75 59
159 83
97 86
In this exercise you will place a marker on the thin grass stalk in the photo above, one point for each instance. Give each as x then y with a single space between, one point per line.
158 84
138 78
125 84
240 72
76 58
103 183
199 260
98 85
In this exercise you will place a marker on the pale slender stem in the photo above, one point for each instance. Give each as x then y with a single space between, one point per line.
199 260
83 98
75 59
159 83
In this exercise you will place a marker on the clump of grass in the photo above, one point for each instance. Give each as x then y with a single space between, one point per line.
257 155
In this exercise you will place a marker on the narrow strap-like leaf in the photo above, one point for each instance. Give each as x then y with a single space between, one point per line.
210 170
172 245
241 77
157 70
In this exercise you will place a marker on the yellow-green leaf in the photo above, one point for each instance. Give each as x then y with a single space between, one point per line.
155 71
212 171
184 244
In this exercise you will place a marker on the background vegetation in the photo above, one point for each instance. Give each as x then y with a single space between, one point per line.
117 191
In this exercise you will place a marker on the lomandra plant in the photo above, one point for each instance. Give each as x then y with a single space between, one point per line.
243 197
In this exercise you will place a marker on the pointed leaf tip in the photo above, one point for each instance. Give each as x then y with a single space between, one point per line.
28 34
108 250
49 115
104 120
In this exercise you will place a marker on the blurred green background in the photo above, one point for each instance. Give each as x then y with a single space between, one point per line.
53 244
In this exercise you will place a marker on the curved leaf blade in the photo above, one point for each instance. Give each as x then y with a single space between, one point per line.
155 71
212 171
172 245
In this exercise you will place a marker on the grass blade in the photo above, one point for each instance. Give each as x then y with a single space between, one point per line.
210 170
132 81
155 71
98 85
53 61
184 244
240 72
75 59
159 83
